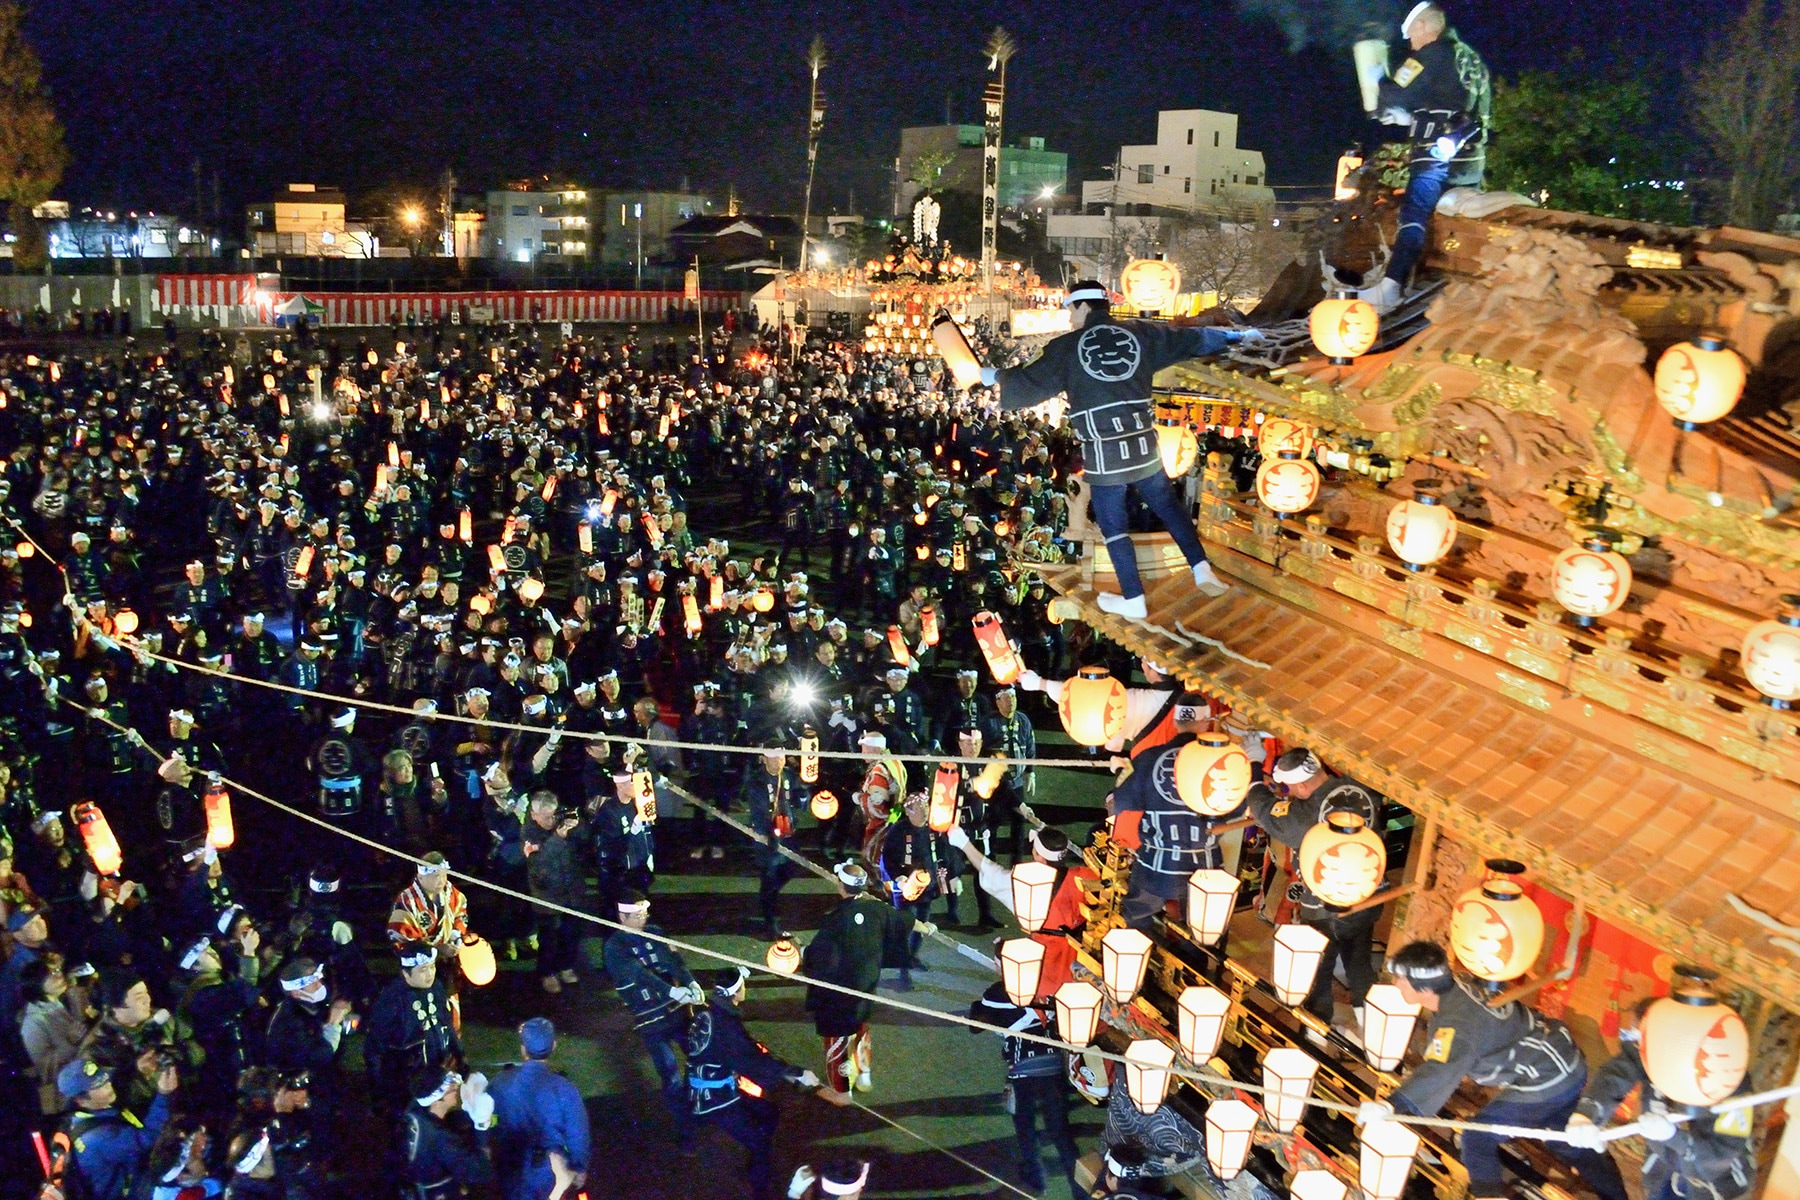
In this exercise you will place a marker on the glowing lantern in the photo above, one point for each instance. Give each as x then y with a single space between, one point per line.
1093 707
1002 659
1344 189
321 412
1021 965
1318 1184
922 553
25 549
1770 655
783 957
1298 949
809 755
1212 894
1387 1026
943 797
1696 1049
1342 860
1147 1063
959 358
549 491
914 885
988 781
1124 956
1496 931
715 593
1590 580
1388 1149
1421 530
393 454
531 589
1180 447
1229 1126
268 382
1212 774
600 425
1033 884
476 958
690 612
824 806
465 526
219 830
1200 1018
1288 1076
1699 381
762 600
1343 328
584 537
97 836
1077 1012
481 603
424 409
509 531
897 643
928 625
643 796
1287 483
125 622
959 558
373 358
1150 284
608 501
303 562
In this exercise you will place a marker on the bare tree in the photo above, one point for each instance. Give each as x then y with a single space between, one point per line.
1743 106
1236 259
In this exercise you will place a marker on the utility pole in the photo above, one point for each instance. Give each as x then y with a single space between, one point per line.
815 125
448 210
1000 49
638 211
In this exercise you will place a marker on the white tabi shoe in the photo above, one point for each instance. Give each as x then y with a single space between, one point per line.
1133 609
1208 581
1384 297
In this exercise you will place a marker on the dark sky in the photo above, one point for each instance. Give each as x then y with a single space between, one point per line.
365 94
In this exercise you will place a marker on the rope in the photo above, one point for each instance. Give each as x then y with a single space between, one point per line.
944 1150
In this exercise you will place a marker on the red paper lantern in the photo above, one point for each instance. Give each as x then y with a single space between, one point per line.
97 836
1002 659
944 787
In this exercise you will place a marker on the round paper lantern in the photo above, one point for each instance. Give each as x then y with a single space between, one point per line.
783 957
1212 774
1496 931
1287 483
1180 447
1077 1012
1590 580
1699 381
1281 433
1212 895
1229 1126
219 830
477 960
1343 328
1317 1185
1147 1063
1696 1048
762 600
1387 1025
1288 1076
25 549
1200 1020
824 806
531 590
1124 956
1021 965
1388 1149
1033 884
125 622
1150 284
1770 655
1342 860
1298 949
1093 707
97 837
1421 530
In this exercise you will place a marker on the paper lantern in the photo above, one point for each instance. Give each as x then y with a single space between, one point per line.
608 499
1200 1020
783 957
1342 860
715 593
928 625
1229 1127
1281 433
988 782
1287 484
1770 655
1496 930
549 491
125 622
1212 895
1033 886
219 830
1317 1184
1077 1012
1150 284
1590 580
393 455
897 643
944 786
1696 1048
1093 707
1387 1026
1343 328
1180 447
25 549
914 885
531 589
303 562
920 516
690 615
496 560
824 806
1699 381
762 600
481 603
959 358
959 561
1388 1150
477 960
809 755
97 836
1021 965
643 796
1124 956
1002 659
1212 774
465 526
1288 1076
1298 949
1147 1063
1421 530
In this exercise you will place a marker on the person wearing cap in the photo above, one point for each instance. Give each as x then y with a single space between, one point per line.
1530 1059
1105 367
541 1136
841 1178
411 1025
106 1146
731 1076
29 930
658 988
442 1137
1441 95
1036 1077
856 940
309 1033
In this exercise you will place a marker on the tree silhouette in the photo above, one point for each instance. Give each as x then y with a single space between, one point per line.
32 154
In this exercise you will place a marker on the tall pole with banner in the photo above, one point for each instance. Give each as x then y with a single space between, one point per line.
815 125
691 289
1000 49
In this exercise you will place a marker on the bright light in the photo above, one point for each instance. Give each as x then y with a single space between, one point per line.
411 216
1048 192
802 695
321 412
823 254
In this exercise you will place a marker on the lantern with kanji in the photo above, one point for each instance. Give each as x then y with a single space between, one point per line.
1770 655
1342 860
809 754
1179 445
1002 659
1021 965
1093 707
1150 285
97 837
928 625
219 830
1344 327
1287 484
897 645
1590 580
1421 530
476 958
944 786
1699 381
1695 1048
1282 433
1496 930
1212 774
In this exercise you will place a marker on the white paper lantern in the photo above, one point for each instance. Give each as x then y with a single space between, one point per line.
1317 1185
1021 965
1147 1063
1212 894
1200 1014
1077 1012
1388 1149
1298 949
1387 1026
1124 956
1033 884
1288 1074
1229 1126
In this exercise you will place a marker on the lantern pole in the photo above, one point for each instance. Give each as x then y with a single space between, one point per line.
1000 49
815 125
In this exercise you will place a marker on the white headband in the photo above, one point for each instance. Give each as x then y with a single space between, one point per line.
831 1187
304 982
1300 774
253 1157
181 1160
1080 295
193 953
451 1079
639 907
1417 10
1054 856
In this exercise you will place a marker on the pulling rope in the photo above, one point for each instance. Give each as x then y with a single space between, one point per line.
944 1150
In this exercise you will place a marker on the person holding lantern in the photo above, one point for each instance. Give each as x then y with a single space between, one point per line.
1171 830
1105 368
914 870
431 911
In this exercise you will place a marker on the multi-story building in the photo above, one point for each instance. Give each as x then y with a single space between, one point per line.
636 224
305 221
1028 171
530 220
1194 166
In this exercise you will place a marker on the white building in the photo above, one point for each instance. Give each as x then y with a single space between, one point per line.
1194 166
524 224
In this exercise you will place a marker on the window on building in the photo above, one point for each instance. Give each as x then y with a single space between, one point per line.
526 243
1165 168
1187 185
1252 180
1147 174
1214 189
1215 137
1190 137
521 210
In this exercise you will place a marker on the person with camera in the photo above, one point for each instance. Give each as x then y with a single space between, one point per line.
556 875
101 1147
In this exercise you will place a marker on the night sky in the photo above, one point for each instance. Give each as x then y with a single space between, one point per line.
364 95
